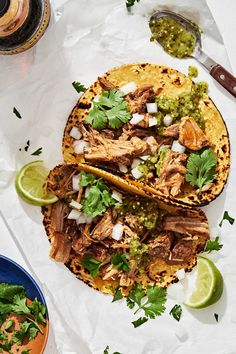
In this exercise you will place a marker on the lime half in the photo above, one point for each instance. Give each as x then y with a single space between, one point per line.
30 184
209 285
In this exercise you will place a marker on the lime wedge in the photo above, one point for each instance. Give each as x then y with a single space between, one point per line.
209 285
30 184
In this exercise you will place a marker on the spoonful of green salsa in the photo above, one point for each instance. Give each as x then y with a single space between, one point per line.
181 38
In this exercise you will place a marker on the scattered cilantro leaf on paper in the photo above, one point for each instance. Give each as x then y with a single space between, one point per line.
17 113
152 301
139 321
106 350
228 218
216 317
130 3
120 262
78 86
213 245
92 265
37 152
201 168
118 294
176 312
111 110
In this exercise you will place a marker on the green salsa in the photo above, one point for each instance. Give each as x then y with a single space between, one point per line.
192 71
153 163
173 37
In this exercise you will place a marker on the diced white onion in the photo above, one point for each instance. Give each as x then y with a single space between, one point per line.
89 219
75 204
87 190
123 168
136 118
152 121
75 133
117 231
136 163
151 107
74 215
131 86
80 145
117 196
181 333
167 120
177 147
76 182
82 219
144 158
136 173
180 274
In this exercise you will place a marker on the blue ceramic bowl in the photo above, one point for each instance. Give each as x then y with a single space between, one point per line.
13 273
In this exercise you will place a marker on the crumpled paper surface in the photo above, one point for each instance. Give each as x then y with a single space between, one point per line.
86 38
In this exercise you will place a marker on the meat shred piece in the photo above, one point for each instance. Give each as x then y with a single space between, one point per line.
61 247
115 150
138 99
152 144
183 250
191 135
186 225
60 183
98 252
172 131
105 84
104 228
160 246
172 173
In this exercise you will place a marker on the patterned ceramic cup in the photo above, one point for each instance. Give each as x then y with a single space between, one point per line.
22 24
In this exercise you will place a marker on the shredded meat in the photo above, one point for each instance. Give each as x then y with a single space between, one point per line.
172 131
104 228
128 131
138 99
99 252
152 144
172 174
191 135
183 250
160 246
105 84
60 247
61 183
84 240
115 150
58 213
134 223
186 225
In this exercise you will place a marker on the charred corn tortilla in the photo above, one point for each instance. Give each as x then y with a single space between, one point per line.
162 271
173 83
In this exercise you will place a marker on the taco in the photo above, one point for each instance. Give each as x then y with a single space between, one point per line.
111 237
152 125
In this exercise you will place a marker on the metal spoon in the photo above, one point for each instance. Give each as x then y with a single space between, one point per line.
220 74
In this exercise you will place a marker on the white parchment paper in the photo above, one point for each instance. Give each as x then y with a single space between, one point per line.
86 38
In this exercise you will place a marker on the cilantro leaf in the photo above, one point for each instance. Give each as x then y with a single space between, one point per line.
38 310
92 265
130 3
17 113
176 312
201 168
26 351
9 324
118 294
6 346
19 306
78 86
86 179
8 291
121 262
111 110
228 218
152 302
106 350
213 245
19 336
216 317
139 321
37 152
33 331
3 336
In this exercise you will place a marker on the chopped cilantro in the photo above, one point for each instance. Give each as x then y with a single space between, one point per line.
121 262
192 71
17 113
176 312
216 317
201 168
130 3
118 294
111 110
9 324
92 265
213 245
37 152
78 86
139 321
228 218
